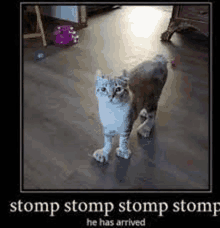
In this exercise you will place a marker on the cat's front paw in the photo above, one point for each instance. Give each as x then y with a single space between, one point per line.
124 154
99 156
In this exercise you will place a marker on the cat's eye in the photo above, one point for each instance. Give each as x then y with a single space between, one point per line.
118 89
103 89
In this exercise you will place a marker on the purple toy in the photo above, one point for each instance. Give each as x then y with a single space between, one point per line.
65 35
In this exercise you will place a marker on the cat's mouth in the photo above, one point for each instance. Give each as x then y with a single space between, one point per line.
113 101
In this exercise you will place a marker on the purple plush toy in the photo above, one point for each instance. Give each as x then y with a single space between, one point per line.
65 35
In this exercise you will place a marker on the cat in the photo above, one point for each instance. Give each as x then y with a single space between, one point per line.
123 98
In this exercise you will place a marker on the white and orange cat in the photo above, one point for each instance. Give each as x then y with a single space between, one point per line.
122 98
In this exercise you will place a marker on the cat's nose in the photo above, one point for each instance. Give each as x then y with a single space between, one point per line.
110 98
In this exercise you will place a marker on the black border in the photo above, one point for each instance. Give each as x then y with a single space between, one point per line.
13 168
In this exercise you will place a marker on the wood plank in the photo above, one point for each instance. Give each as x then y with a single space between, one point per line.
31 35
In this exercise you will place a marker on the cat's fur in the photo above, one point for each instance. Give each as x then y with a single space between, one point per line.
121 99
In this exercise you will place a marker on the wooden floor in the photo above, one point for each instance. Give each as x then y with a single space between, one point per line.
61 123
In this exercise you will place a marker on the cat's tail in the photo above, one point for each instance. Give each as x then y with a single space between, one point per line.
161 58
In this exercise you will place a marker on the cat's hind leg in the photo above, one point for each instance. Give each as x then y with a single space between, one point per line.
143 115
146 126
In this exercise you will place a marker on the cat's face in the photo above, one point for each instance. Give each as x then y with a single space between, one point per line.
112 89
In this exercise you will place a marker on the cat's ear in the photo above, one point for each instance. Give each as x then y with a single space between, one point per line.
125 77
99 74
125 74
